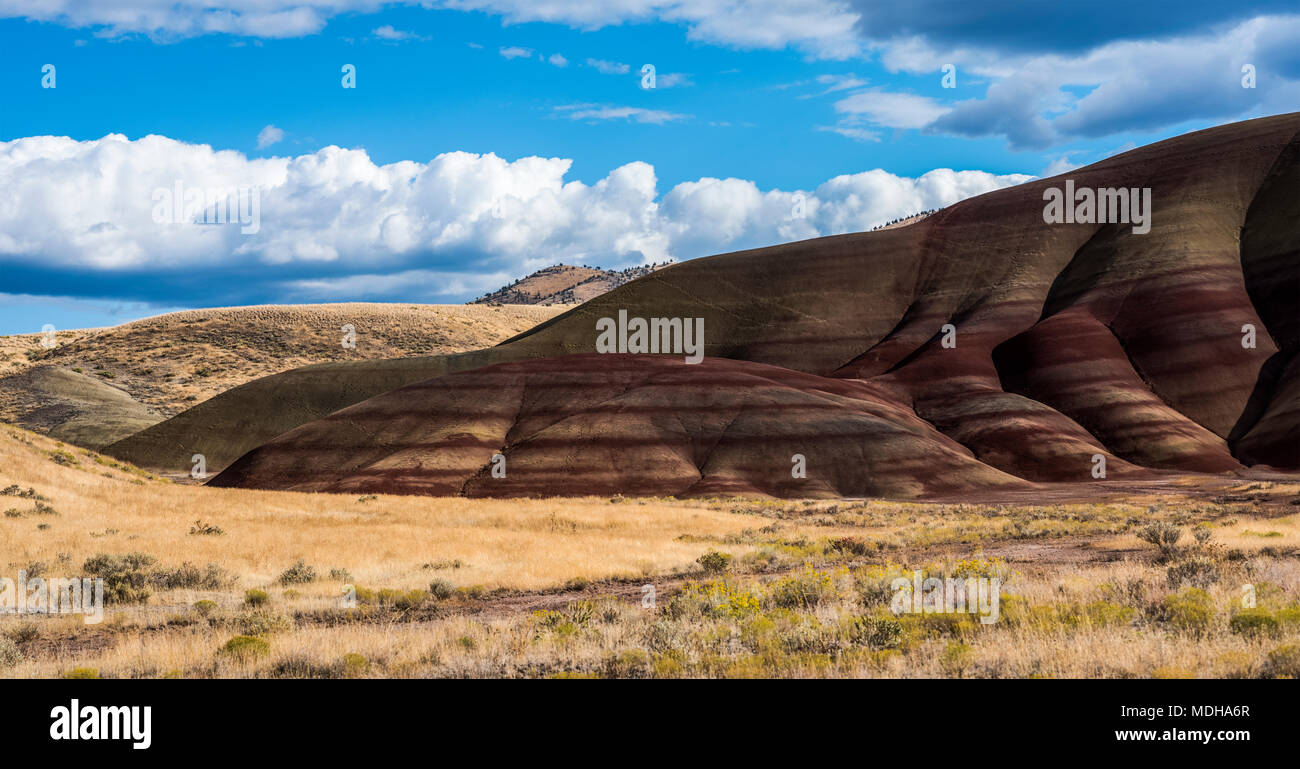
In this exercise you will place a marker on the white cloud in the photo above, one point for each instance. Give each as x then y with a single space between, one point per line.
336 225
1060 165
836 83
268 136
822 27
189 18
634 114
856 134
515 52
673 80
891 110
1112 85
609 67
558 60
388 32
1041 100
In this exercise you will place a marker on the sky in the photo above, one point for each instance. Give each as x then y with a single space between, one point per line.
434 151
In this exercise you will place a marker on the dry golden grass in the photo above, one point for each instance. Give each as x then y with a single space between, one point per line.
382 540
530 618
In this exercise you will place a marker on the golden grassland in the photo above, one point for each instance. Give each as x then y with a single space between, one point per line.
172 361
554 587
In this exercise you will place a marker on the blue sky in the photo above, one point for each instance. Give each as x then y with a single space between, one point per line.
836 109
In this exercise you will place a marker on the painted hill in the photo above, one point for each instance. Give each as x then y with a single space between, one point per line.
632 424
1066 341
564 284
97 386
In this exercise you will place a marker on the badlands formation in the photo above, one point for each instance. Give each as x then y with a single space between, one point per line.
982 347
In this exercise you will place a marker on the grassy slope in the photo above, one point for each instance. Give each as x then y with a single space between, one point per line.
1059 562
100 385
172 361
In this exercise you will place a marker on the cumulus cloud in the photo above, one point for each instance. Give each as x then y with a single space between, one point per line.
558 60
1038 101
268 136
81 216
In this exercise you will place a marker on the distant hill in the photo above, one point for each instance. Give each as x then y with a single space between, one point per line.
99 385
564 284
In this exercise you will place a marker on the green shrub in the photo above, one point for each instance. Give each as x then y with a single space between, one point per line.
874 584
81 673
392 598
1102 613
1254 623
61 457
298 574
718 599
246 648
1283 662
126 577
956 656
848 546
1197 572
255 597
355 664
441 589
261 623
205 607
876 632
1190 611
1164 536
1289 617
187 576
802 590
206 529
714 562
402 600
